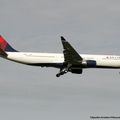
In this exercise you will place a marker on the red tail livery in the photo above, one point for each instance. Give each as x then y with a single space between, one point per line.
5 46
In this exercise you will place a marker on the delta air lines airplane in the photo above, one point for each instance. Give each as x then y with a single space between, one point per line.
68 61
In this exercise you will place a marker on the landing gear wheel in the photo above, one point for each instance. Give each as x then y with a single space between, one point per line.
62 72
58 75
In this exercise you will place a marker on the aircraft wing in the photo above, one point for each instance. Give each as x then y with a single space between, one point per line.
70 54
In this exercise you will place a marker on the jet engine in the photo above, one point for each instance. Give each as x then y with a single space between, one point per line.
89 64
76 70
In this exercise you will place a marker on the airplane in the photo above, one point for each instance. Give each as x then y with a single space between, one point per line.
68 61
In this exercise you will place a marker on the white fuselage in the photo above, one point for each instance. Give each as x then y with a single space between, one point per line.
56 60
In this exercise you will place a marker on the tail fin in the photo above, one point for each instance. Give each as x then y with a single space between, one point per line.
5 46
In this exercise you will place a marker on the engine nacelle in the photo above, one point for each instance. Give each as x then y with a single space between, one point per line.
89 64
76 70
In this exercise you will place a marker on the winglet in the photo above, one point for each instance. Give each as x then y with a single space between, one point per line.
63 39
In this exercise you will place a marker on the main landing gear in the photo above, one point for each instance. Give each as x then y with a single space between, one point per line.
62 72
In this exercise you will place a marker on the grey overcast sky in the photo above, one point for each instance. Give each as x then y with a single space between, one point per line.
33 93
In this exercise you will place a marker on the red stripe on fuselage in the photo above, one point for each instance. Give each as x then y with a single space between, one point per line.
3 43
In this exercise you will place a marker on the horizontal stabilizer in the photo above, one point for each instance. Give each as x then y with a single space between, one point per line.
3 53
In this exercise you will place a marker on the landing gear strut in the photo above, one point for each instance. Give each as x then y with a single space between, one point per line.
62 72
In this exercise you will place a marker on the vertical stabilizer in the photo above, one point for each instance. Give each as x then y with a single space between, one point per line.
5 46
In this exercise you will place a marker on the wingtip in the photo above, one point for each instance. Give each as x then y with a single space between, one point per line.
62 38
